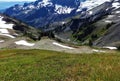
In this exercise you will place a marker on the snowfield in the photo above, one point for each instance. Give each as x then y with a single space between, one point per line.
4 28
116 5
4 31
24 42
4 25
92 3
1 41
59 9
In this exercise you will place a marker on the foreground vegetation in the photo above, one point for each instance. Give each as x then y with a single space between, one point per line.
40 65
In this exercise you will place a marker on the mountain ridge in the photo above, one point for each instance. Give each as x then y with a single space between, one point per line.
97 29
90 27
43 12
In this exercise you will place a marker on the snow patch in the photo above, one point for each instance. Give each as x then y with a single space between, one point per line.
63 46
108 21
62 9
91 4
31 6
90 12
45 3
63 22
1 41
8 35
116 5
116 0
94 50
24 42
4 31
4 28
111 48
27 11
117 12
111 16
4 25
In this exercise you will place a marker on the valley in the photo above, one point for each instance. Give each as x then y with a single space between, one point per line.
17 35
60 40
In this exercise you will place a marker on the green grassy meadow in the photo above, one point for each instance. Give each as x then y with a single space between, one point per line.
42 65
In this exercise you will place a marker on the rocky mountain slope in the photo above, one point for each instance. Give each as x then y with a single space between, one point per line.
14 32
17 35
97 27
44 12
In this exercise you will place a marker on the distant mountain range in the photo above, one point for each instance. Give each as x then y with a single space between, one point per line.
89 22
44 12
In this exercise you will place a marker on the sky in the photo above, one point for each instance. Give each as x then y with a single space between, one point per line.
15 0
8 3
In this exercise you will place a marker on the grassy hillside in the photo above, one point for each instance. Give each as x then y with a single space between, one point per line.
40 65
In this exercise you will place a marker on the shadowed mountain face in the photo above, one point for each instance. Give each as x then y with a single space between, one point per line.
98 26
43 12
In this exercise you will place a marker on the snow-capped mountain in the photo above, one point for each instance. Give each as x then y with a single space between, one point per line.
98 26
43 12
89 22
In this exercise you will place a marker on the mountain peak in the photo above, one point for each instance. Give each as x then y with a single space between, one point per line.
48 11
